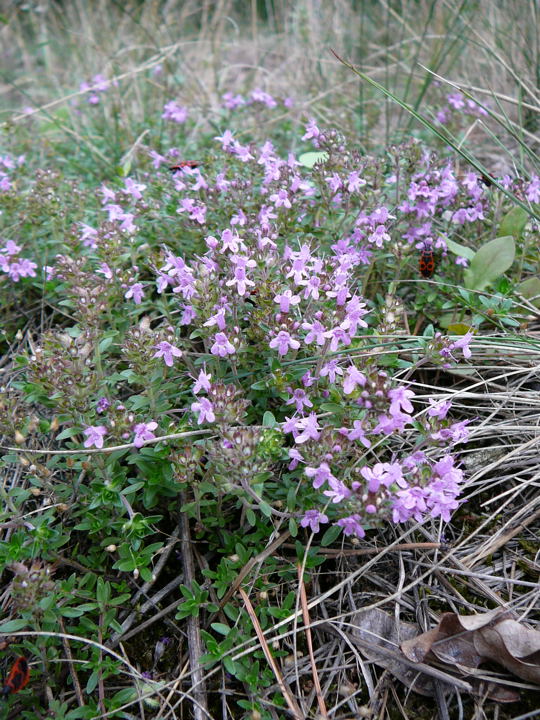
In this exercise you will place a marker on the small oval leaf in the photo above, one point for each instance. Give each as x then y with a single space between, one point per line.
309 159
490 262
460 250
513 222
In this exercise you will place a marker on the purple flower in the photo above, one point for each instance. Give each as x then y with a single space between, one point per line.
136 292
309 427
357 433
353 378
296 457
175 112
281 199
312 518
351 526
283 341
533 189
300 399
205 409
286 299
338 491
316 333
439 409
143 433
102 405
222 347
167 351
217 319
202 382
89 236
134 189
331 370
320 474
226 140
463 344
94 436
400 400
312 131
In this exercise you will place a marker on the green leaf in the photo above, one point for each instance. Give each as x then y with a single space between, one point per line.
70 612
106 343
530 288
459 328
460 250
293 527
269 420
229 664
69 433
221 628
491 261
309 159
330 535
513 222
12 626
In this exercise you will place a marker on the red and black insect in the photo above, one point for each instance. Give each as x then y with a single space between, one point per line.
184 164
17 678
427 263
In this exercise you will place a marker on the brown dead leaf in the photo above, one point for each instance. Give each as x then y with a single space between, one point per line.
378 636
467 641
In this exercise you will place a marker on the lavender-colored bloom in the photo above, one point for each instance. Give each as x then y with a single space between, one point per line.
331 370
312 519
296 457
463 344
281 199
316 333
202 382
136 292
439 409
309 427
532 190
102 405
134 189
283 342
355 182
204 407
338 491
400 400
144 433
88 236
351 526
222 346
286 299
226 140
358 433
175 112
352 379
94 436
10 248
300 399
312 131
167 351
217 319
389 424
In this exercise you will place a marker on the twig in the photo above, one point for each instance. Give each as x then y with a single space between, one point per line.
72 671
250 563
350 552
285 690
307 625
195 646
151 602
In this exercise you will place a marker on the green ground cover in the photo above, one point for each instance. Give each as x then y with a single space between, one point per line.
269 359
